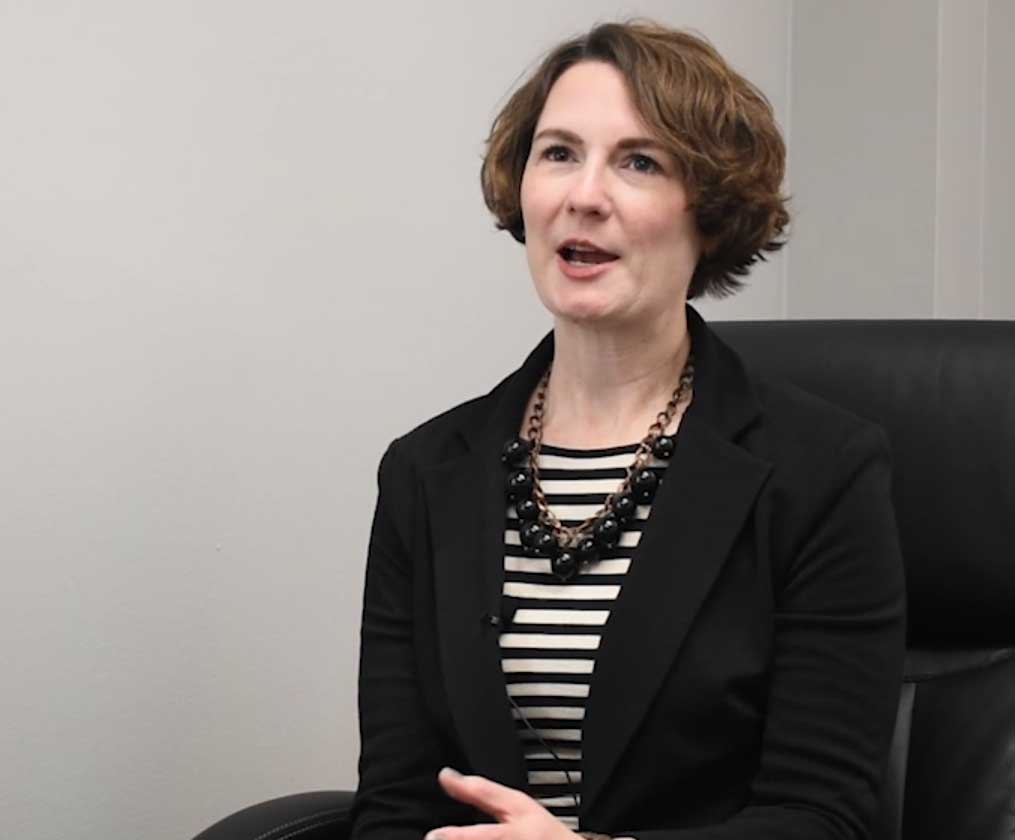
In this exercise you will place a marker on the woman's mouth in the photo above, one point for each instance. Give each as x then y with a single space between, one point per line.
581 264
578 255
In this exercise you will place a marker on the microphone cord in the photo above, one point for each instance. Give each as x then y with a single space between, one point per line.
571 783
504 620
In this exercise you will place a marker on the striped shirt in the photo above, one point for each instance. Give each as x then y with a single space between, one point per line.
548 652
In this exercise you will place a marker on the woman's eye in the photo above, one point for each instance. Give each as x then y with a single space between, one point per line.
556 153
643 163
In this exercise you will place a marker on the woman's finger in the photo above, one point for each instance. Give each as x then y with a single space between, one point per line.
482 831
490 797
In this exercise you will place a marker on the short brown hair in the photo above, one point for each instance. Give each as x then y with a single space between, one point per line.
719 127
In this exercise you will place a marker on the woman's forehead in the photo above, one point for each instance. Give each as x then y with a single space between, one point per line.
591 99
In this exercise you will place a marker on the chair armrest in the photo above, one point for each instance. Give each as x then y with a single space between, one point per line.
317 815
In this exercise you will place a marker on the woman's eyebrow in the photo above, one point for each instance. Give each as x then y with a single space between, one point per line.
570 137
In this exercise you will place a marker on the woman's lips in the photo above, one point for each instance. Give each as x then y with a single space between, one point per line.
583 271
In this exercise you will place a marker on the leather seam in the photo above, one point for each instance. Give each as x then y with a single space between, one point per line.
316 821
306 828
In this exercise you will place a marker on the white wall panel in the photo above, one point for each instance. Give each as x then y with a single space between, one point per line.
999 164
959 201
863 159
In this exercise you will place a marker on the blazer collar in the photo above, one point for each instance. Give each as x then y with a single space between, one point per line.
707 493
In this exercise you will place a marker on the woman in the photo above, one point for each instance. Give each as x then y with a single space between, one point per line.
632 590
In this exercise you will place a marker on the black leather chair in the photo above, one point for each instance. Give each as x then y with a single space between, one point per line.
945 393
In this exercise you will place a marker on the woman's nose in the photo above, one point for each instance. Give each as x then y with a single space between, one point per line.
589 193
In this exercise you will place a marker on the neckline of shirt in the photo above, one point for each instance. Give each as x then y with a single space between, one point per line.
627 448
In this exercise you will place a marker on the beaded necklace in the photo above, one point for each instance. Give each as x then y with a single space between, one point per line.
571 548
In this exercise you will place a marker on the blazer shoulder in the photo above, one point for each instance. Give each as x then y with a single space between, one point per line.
794 419
816 447
439 437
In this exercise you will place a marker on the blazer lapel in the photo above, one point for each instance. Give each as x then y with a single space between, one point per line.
706 495
465 498
700 507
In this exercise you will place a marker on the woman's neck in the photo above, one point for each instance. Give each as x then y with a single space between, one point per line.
607 385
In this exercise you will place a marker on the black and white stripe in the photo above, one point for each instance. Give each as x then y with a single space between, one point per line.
548 653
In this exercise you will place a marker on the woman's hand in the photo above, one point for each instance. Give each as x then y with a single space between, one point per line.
519 816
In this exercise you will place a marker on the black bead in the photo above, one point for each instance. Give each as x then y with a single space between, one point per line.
515 452
663 447
644 485
546 544
624 506
519 484
564 565
586 551
607 532
530 532
527 510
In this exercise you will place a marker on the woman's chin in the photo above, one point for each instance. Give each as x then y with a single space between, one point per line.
587 312
584 304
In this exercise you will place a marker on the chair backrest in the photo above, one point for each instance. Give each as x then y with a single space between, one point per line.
945 393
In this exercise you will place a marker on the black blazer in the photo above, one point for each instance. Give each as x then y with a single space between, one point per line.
747 680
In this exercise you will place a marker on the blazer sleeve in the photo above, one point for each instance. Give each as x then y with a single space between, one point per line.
839 645
402 747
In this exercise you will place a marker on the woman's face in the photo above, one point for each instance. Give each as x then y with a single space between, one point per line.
596 174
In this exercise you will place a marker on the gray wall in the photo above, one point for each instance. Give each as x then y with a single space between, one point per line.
902 126
997 220
242 247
